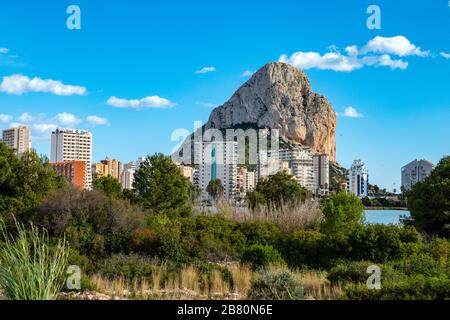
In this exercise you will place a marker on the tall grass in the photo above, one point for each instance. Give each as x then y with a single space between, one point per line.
30 267
288 217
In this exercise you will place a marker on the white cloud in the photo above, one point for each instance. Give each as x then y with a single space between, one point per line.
247 73
5 118
147 102
15 124
4 50
377 52
19 84
206 104
384 60
351 113
329 61
26 117
205 70
96 120
445 55
67 119
44 127
398 45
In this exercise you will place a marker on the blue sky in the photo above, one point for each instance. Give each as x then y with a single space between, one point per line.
136 49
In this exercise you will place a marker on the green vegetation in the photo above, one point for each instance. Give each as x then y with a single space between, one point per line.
275 285
259 256
429 201
278 190
215 189
31 268
109 185
159 186
151 237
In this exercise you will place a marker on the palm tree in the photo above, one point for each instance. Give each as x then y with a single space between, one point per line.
215 189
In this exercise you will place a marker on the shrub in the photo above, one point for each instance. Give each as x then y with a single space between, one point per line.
127 266
422 264
439 249
259 256
343 212
356 272
30 268
415 288
306 249
275 285
260 232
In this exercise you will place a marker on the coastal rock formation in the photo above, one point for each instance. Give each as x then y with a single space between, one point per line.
279 96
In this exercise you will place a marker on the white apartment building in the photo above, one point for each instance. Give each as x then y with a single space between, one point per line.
298 162
127 178
415 171
358 179
217 160
18 139
70 144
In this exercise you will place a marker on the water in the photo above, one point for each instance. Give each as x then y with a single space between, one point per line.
385 216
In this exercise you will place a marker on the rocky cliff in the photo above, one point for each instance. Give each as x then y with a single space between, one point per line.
279 96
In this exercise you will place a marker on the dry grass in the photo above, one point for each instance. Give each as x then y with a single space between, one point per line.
287 217
187 284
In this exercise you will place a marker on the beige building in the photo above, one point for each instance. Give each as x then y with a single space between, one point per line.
321 174
18 139
69 145
107 167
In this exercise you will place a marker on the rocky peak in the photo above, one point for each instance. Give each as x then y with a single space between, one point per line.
279 96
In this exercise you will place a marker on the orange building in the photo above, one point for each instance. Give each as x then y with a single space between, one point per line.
74 171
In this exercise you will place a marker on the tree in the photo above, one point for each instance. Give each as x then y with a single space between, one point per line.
160 186
343 212
278 190
109 185
215 189
429 201
24 182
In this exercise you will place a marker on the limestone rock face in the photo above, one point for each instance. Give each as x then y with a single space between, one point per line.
279 96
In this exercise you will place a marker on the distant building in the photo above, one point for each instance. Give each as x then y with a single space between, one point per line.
245 180
187 171
127 177
415 171
358 179
69 145
298 162
18 139
217 160
107 167
321 174
74 171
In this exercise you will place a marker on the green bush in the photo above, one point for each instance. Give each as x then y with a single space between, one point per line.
259 256
306 249
422 264
260 232
356 272
414 288
439 249
128 266
275 285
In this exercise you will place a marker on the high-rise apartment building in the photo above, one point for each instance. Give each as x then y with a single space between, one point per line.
128 172
217 160
414 172
75 171
245 180
18 139
298 162
69 145
107 167
321 174
358 179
